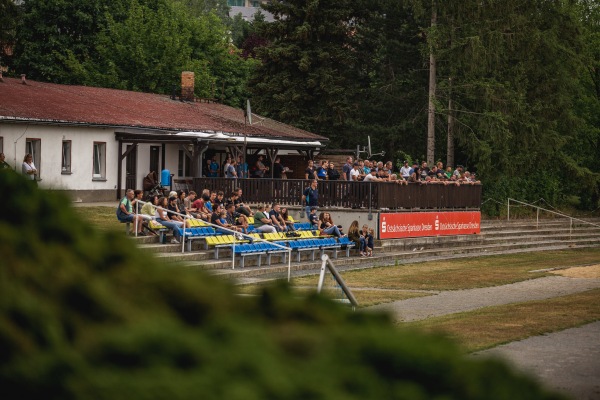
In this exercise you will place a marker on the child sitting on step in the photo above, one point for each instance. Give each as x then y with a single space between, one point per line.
370 239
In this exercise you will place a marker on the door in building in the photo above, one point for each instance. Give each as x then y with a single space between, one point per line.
131 169
154 159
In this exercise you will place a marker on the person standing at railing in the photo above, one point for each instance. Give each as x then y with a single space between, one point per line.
162 217
230 171
213 168
310 197
322 170
372 177
347 168
309 173
405 171
261 168
278 169
332 173
355 172
241 168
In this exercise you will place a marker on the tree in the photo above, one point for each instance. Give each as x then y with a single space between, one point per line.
141 45
8 18
51 33
311 69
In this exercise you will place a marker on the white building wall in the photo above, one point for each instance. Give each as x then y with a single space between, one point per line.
82 147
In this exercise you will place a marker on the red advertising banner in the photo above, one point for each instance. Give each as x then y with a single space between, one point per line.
401 225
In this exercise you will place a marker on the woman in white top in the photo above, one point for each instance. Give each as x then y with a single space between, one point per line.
28 168
163 218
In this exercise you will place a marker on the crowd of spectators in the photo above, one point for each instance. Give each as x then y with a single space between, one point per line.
179 208
357 171
227 211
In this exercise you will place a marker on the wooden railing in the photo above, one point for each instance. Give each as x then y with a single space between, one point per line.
347 194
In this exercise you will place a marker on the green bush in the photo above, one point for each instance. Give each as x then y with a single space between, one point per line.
84 314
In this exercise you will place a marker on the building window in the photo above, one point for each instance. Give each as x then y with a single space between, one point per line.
256 4
1 144
99 161
236 3
34 147
66 157
184 165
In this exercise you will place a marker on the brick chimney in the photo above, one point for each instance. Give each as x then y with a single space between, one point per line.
187 86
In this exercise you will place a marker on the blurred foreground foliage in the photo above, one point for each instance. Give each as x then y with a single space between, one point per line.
84 314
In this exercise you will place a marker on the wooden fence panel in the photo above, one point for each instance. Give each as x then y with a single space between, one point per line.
350 194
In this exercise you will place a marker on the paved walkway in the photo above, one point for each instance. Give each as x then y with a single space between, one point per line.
450 302
568 361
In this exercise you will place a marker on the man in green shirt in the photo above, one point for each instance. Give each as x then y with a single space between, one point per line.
125 213
262 223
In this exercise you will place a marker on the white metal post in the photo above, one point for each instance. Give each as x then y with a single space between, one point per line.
136 218
508 212
233 253
185 219
289 265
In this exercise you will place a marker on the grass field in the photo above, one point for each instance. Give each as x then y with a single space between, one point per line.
465 273
492 326
476 330
103 218
486 327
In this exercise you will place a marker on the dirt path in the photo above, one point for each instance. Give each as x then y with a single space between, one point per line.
450 302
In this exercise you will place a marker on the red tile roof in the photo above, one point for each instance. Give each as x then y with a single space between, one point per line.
53 103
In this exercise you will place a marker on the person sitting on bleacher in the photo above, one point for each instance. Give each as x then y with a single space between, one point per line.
239 204
210 202
149 209
313 218
276 219
220 200
188 203
215 217
172 206
200 206
162 216
262 223
327 227
289 222
148 212
236 220
125 214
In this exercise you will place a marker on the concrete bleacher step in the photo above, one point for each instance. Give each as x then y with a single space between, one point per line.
418 255
307 268
497 237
